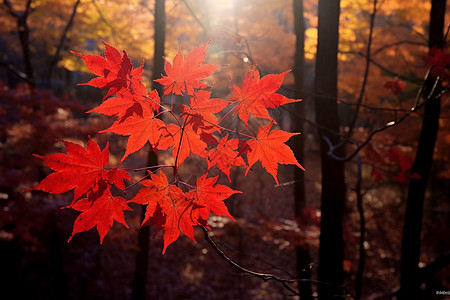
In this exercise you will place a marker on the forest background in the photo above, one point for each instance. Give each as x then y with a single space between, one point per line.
383 58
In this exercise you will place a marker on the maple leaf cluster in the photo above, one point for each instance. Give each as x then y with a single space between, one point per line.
439 61
392 161
172 205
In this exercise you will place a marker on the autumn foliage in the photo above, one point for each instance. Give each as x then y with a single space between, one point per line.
171 204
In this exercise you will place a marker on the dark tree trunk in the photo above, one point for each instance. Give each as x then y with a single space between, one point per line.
160 38
410 282
333 182
142 257
24 33
303 257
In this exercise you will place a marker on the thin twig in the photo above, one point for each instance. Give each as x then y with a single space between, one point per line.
398 43
385 69
195 16
365 77
61 42
265 276
15 70
395 122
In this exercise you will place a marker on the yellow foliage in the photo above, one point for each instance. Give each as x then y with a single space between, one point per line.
310 43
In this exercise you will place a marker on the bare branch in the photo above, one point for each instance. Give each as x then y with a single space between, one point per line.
104 20
398 43
264 276
144 5
61 42
395 122
8 8
27 8
15 70
385 69
194 15
365 77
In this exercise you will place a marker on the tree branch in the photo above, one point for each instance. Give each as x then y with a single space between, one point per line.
395 122
61 42
195 16
104 20
264 276
15 70
385 69
365 77
9 9
384 47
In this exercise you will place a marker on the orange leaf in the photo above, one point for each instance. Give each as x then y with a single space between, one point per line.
185 73
270 149
168 208
203 108
225 156
185 141
141 129
257 95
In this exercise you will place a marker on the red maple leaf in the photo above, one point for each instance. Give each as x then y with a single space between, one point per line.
101 213
119 105
439 61
210 197
257 95
396 156
186 139
203 109
80 169
125 103
224 155
270 149
178 212
185 73
141 128
154 190
167 208
115 72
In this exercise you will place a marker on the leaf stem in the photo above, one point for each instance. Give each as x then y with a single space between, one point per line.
223 128
175 169
146 168
228 112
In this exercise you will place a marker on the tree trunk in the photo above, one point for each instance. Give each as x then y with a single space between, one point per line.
160 38
333 182
23 32
409 282
302 252
142 256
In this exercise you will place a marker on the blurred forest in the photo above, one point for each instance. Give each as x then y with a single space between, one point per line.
368 219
